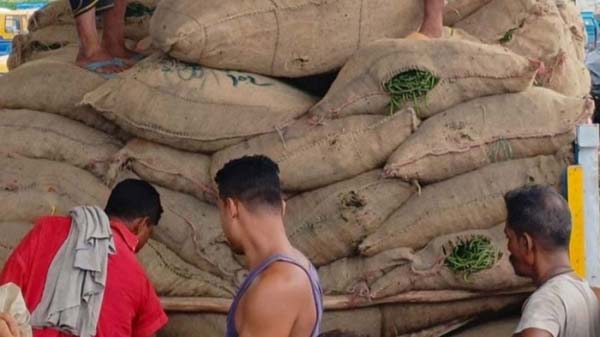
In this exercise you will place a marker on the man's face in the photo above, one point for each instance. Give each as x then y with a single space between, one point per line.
521 257
229 222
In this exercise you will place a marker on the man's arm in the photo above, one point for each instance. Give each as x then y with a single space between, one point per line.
534 333
270 307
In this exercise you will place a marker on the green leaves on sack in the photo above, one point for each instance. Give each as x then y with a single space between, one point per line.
409 86
471 255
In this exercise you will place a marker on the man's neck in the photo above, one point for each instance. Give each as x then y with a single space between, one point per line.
552 264
267 238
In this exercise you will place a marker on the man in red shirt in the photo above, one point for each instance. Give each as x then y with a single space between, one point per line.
130 307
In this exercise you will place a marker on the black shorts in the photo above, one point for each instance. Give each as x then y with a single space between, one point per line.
81 6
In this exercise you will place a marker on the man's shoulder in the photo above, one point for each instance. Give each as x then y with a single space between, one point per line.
51 223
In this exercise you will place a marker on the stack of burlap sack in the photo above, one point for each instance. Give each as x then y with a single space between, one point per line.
384 190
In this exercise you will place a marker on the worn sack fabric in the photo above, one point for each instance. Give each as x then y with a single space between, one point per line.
171 276
329 223
399 319
495 328
137 17
403 270
190 324
535 29
571 16
13 304
483 131
165 166
30 188
51 88
465 70
278 38
311 156
192 229
36 44
35 134
472 200
194 108
457 10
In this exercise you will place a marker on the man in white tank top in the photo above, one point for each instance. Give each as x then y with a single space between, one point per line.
538 228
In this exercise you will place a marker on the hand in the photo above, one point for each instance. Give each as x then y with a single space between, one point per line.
8 326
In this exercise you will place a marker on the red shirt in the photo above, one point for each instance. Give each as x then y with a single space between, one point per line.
130 307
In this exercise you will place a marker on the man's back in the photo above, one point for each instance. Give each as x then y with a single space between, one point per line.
565 307
130 306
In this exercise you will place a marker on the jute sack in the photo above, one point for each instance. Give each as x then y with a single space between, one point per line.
12 234
278 38
361 321
35 134
41 43
171 276
457 10
472 200
192 229
51 87
496 328
329 223
401 319
174 169
464 69
137 17
186 325
30 188
571 16
483 131
402 270
311 156
195 108
534 29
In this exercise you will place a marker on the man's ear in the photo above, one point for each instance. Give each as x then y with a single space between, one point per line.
233 207
283 207
139 224
528 242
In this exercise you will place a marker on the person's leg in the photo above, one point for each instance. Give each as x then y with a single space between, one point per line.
90 49
433 19
113 39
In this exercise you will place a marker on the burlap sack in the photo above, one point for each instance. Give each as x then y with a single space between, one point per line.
361 321
483 131
34 134
312 156
174 169
12 234
402 270
496 328
54 87
278 38
137 24
571 16
537 30
41 43
466 70
195 108
30 188
401 319
329 223
186 325
472 200
171 276
457 10
192 229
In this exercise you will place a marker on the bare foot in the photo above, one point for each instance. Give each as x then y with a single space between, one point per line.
433 19
119 51
85 59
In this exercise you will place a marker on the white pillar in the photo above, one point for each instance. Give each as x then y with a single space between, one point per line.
588 140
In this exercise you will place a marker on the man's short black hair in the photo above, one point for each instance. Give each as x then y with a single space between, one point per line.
254 180
132 199
541 212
